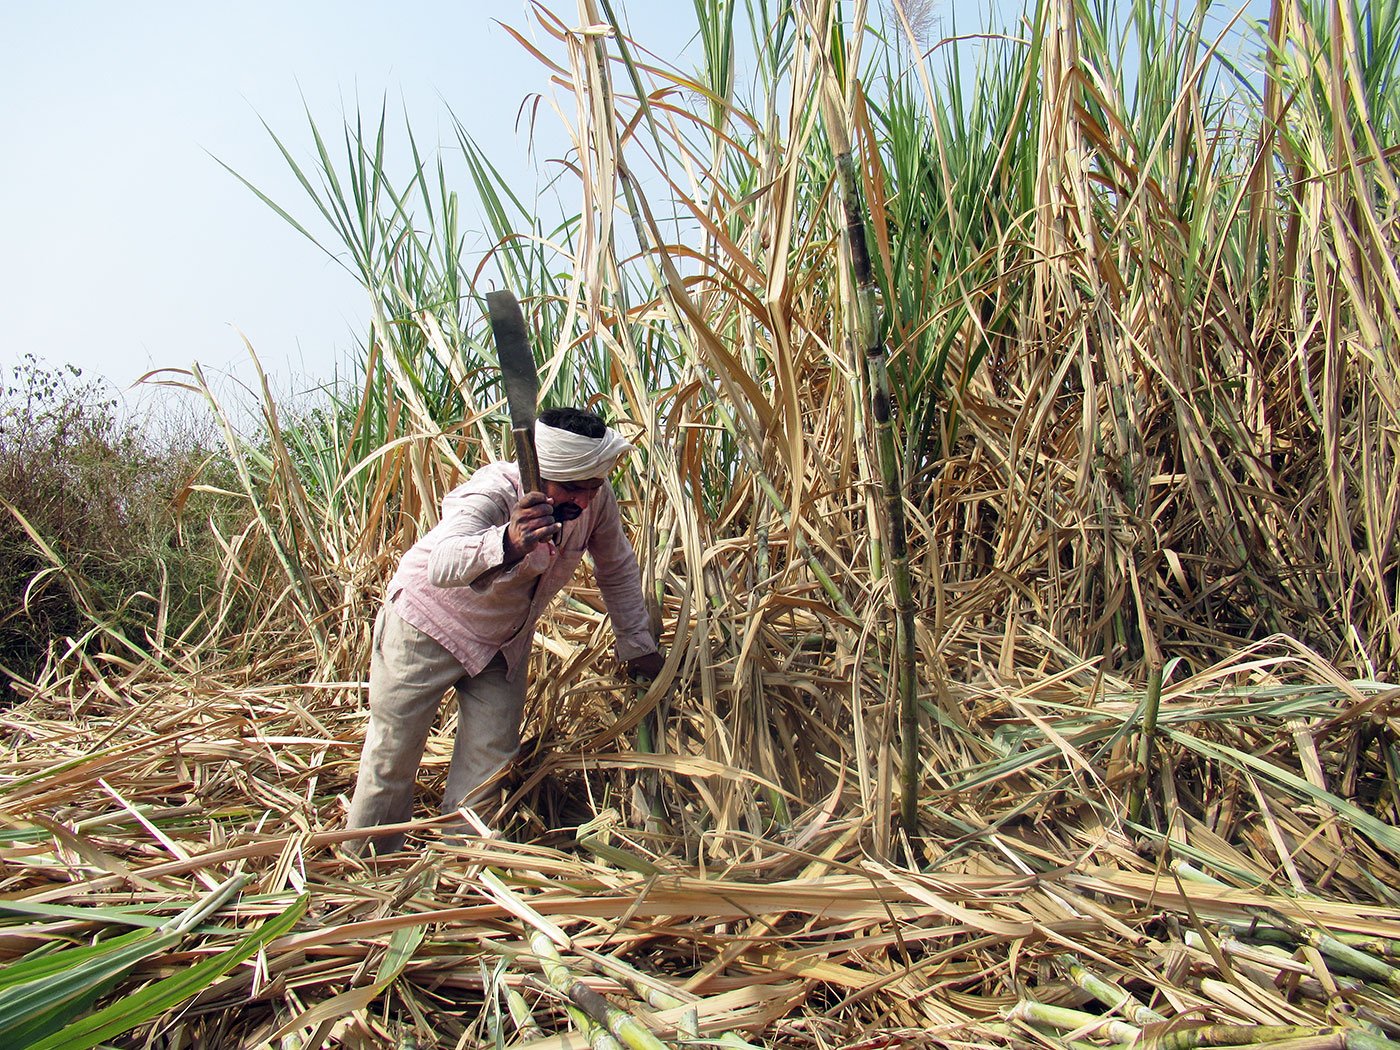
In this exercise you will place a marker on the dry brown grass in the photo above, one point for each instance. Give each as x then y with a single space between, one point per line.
134 795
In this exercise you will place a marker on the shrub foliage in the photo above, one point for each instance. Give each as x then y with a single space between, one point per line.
91 548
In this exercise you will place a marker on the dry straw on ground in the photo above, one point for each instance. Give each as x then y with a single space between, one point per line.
1028 908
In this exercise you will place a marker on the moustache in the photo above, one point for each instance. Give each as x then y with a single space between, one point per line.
566 512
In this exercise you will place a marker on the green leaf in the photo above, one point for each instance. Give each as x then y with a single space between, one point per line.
155 999
1378 831
62 985
126 916
53 959
402 946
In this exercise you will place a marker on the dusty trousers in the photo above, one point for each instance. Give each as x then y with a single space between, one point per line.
409 673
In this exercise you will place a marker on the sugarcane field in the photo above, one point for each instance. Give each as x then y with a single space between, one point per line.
983 428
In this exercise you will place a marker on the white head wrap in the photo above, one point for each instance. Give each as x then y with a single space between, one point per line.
566 456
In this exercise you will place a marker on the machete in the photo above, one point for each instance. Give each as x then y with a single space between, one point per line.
521 382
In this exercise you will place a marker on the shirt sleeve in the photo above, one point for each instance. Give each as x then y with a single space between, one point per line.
615 568
468 546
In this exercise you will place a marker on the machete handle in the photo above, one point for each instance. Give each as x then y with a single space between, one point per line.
525 457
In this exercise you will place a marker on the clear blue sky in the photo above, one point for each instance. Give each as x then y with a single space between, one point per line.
127 247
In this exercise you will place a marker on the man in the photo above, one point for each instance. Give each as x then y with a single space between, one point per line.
461 612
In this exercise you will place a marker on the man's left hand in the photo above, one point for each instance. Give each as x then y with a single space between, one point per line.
645 667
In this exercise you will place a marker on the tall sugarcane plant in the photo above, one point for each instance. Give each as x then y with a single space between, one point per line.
862 330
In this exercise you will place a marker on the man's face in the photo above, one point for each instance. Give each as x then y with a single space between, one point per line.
570 498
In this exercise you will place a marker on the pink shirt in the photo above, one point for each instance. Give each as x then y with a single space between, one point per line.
453 584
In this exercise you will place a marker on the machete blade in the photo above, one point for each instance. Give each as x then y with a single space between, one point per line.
517 360
519 378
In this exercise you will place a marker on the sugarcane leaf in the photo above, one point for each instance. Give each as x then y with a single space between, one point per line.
402 945
1381 833
56 960
132 916
51 996
147 1003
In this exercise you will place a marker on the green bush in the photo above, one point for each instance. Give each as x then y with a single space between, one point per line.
91 537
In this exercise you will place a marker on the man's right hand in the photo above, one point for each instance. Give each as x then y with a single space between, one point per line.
531 523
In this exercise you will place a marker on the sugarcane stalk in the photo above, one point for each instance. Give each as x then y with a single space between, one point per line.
1110 994
521 1016
1352 959
863 328
1385 947
1371 1006
688 1027
1151 705
1268 1037
624 1029
645 988
599 1038
1233 1035
1063 1019
651 735
647 787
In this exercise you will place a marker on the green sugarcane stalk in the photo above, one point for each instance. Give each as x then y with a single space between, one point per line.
648 783
622 1028
1151 705
524 1020
865 335
1268 1037
559 978
644 988
1352 960
1232 1035
625 1028
651 735
1066 1020
647 786
1347 955
1385 947
1110 994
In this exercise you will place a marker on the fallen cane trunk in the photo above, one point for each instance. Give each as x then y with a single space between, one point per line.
617 1022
